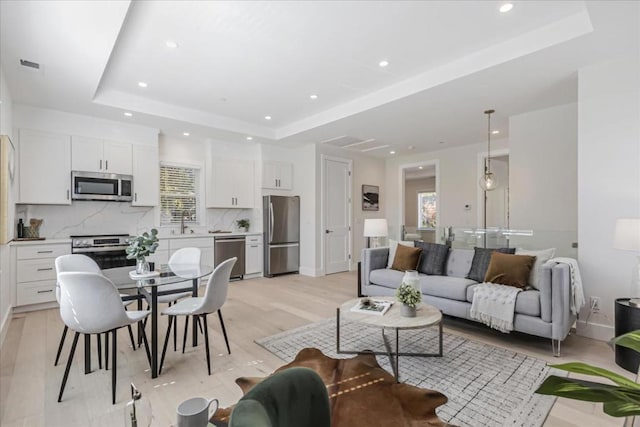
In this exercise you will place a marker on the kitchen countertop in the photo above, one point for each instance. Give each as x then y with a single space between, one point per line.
202 235
38 242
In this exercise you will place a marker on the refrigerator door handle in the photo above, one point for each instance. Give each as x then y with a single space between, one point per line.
285 245
270 222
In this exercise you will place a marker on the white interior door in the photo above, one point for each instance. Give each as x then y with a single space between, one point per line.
336 215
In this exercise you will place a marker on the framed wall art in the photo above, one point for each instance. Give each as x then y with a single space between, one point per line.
370 197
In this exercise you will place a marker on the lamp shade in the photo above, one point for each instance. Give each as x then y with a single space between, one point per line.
627 234
375 227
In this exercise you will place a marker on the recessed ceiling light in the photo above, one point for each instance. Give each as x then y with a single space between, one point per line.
495 132
267 117
142 84
313 96
383 63
171 44
420 167
392 152
128 114
506 7
186 133
249 138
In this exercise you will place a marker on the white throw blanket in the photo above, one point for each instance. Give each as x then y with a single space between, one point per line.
577 293
494 305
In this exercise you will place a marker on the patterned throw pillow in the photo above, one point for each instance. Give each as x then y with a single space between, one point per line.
481 259
406 258
510 270
434 258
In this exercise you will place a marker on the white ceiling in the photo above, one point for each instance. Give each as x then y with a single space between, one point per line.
239 61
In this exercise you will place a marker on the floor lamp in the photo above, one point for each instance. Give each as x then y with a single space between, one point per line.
627 237
375 227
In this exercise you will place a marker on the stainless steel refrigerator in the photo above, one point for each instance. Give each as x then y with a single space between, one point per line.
281 227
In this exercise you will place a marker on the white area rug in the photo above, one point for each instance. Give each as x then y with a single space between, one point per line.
486 385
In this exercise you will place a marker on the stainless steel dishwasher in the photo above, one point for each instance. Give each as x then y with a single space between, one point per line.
228 247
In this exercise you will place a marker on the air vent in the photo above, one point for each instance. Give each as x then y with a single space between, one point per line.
29 64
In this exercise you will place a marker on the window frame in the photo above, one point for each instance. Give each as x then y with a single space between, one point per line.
199 194
433 194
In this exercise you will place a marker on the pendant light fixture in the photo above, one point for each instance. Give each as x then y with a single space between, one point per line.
488 181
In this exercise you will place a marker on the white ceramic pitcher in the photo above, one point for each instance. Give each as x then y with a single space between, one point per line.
195 412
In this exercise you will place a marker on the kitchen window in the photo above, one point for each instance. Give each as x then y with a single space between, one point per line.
179 194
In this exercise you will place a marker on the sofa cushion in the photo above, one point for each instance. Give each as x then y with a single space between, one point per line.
433 259
386 277
510 270
446 287
481 259
459 262
393 244
527 302
406 258
542 256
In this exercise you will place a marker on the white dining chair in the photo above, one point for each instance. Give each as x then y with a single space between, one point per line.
91 304
199 307
81 263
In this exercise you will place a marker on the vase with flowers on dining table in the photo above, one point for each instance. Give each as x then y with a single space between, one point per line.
142 246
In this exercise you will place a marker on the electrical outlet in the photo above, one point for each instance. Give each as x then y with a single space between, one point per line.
595 304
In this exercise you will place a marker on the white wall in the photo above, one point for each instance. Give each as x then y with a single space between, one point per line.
608 182
497 200
411 189
543 176
458 184
6 128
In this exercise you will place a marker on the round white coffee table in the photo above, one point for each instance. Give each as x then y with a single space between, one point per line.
426 315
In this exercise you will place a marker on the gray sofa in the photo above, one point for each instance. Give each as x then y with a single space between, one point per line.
544 312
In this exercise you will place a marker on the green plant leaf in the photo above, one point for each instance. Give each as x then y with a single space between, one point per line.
583 368
621 409
589 391
630 340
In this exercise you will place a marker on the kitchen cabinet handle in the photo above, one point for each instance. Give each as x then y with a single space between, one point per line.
135 196
45 292
67 194
45 269
45 252
106 165
100 164
254 246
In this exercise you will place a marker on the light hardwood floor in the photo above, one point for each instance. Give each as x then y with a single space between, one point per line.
255 308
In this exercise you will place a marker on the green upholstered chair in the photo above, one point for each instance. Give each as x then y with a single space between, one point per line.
294 397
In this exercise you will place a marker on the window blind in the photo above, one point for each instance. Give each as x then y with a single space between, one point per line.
178 194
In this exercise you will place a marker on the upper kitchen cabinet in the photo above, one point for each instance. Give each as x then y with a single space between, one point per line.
146 175
96 155
277 175
44 168
230 184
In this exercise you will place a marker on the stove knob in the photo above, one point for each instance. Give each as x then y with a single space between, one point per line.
85 243
76 243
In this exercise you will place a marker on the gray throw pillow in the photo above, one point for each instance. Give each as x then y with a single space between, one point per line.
434 258
481 259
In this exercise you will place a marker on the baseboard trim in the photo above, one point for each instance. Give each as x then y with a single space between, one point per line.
4 327
594 331
311 272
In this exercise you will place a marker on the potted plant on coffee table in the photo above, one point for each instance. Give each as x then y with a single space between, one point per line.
409 297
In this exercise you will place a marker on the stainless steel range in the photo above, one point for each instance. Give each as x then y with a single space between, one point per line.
108 250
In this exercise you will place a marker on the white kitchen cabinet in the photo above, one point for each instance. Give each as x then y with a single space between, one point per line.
44 168
146 176
35 272
204 243
277 175
96 155
230 184
253 254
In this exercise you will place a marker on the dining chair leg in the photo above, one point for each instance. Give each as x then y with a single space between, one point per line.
133 340
175 336
224 331
66 370
106 351
113 366
199 325
186 327
62 338
166 341
146 344
206 342
99 339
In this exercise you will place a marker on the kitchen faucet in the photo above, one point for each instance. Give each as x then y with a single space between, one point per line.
182 215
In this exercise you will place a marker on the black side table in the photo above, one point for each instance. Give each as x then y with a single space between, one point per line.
627 320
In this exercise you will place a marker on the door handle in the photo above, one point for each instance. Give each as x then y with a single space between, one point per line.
270 222
328 231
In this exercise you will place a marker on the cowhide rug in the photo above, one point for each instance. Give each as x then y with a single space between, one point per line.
361 393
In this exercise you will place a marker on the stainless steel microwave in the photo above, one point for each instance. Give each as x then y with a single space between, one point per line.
101 186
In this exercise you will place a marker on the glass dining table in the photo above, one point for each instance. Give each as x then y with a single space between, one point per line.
149 289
